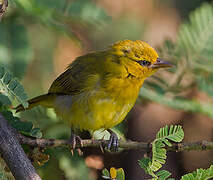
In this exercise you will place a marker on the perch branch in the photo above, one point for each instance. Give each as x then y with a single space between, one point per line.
13 154
186 146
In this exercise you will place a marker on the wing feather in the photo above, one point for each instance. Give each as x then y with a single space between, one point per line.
74 79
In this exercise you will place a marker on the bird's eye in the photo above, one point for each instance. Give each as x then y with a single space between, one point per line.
126 50
144 63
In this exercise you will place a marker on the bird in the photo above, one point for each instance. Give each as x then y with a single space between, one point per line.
98 89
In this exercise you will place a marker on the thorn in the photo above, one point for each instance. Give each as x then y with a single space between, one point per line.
103 137
102 149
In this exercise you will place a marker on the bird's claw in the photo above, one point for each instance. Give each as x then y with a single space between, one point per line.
74 140
113 142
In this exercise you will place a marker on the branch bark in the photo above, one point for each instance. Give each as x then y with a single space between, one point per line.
14 155
186 146
3 7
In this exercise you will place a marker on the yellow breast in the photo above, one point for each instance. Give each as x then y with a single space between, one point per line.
97 108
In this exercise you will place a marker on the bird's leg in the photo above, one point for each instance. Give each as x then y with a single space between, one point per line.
75 139
113 141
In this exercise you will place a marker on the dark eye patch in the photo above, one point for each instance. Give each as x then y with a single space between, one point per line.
126 50
144 63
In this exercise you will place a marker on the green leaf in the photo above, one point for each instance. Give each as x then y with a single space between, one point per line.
195 37
25 128
105 174
10 87
120 174
36 132
174 133
201 174
4 102
16 123
163 175
192 54
145 163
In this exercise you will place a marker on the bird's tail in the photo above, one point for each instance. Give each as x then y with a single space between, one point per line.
46 100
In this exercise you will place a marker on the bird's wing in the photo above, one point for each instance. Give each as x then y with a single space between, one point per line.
75 79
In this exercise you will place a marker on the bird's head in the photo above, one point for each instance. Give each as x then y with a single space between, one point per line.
139 58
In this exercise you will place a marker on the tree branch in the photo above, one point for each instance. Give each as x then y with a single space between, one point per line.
3 7
199 145
14 155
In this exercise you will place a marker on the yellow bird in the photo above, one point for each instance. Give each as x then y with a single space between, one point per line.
98 89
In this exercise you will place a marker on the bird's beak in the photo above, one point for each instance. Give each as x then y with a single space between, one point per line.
161 64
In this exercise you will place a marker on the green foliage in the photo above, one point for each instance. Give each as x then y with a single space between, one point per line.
172 133
114 174
59 14
4 102
73 170
195 38
120 174
199 174
25 128
10 87
192 56
164 137
163 174
15 49
105 174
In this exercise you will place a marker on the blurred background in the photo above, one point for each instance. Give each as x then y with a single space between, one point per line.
39 38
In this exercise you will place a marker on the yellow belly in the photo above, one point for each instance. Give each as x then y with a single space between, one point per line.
92 111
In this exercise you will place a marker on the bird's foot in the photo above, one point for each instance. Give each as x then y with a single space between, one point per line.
74 139
113 141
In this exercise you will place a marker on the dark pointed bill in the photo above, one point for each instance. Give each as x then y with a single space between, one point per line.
161 64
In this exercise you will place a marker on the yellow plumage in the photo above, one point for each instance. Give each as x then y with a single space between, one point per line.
98 89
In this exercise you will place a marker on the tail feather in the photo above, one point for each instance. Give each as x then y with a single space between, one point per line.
43 100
